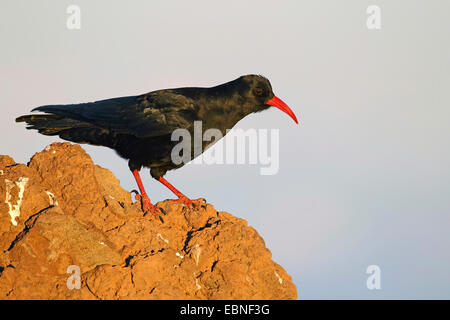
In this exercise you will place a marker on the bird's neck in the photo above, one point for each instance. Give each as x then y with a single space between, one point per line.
221 106
223 111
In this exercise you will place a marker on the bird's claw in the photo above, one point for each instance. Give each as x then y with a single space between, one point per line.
188 202
147 206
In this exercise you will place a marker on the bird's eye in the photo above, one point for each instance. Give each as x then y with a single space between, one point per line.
258 91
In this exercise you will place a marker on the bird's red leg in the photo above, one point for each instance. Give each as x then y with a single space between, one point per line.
146 204
181 197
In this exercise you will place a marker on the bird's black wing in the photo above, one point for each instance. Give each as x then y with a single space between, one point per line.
148 115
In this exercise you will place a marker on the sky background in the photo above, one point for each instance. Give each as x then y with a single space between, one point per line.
363 180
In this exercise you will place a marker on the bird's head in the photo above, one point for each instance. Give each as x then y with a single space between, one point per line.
258 90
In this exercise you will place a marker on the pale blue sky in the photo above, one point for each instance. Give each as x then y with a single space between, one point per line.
364 179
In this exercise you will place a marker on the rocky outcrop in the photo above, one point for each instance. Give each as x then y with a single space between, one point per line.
69 231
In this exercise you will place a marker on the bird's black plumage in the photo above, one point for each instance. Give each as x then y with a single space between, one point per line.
139 127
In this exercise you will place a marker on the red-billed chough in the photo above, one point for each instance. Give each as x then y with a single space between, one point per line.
139 128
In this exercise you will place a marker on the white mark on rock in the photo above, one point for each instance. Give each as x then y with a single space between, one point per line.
197 284
54 151
102 243
278 277
159 235
179 255
196 250
51 198
111 197
28 249
47 148
14 210
1 172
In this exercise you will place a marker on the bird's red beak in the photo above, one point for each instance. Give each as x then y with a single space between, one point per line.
278 103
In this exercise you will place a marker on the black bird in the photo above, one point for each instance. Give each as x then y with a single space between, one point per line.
139 128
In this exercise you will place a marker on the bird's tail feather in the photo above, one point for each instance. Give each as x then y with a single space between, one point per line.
63 110
50 124
68 129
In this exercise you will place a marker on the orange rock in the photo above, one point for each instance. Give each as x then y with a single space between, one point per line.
61 214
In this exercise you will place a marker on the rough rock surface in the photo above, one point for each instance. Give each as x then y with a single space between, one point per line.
69 231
